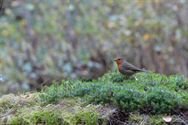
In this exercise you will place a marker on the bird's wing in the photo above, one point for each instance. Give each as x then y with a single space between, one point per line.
128 66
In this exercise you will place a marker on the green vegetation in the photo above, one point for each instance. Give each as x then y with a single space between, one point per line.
67 112
35 117
145 97
147 92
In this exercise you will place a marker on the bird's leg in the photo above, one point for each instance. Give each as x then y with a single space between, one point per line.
126 77
135 78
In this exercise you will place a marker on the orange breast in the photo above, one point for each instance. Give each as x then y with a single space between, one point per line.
120 66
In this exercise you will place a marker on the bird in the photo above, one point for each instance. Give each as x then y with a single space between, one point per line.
127 68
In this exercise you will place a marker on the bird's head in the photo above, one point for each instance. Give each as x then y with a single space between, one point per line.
119 60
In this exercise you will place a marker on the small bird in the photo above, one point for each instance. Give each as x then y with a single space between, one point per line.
126 68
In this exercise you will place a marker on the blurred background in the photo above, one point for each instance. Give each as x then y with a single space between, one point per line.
46 40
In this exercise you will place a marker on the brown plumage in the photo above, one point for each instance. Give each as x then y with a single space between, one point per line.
126 68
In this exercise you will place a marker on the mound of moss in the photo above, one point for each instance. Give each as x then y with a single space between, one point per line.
28 110
111 99
145 92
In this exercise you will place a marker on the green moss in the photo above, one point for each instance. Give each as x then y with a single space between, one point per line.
47 117
85 117
7 102
156 120
135 118
75 102
77 114
67 112
149 92
17 121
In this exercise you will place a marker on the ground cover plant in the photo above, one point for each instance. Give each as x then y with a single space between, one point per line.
112 99
150 92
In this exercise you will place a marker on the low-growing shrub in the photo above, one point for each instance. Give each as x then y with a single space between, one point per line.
148 92
161 100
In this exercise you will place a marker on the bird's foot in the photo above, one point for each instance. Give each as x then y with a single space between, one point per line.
136 78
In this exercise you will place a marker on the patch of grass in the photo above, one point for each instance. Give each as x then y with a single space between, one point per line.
149 92
85 117
39 116
77 114
5 104
67 112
